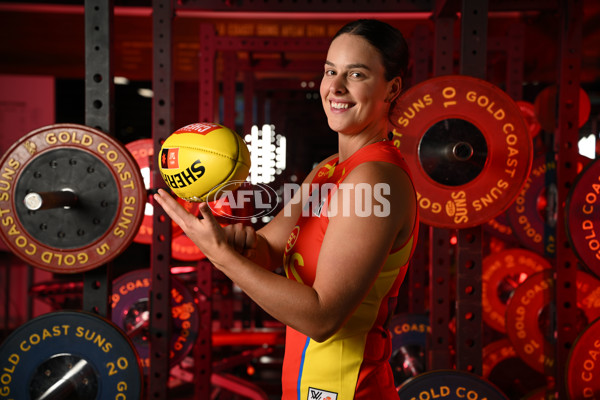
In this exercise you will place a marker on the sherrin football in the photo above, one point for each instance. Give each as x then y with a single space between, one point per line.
199 159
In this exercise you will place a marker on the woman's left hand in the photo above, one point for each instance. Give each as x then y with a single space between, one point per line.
205 232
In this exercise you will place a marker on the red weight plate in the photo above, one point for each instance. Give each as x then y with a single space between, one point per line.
583 364
494 353
130 304
502 273
527 214
528 113
468 148
545 108
528 315
583 217
503 367
183 249
106 184
500 228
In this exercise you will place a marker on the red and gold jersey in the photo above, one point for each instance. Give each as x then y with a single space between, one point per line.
353 363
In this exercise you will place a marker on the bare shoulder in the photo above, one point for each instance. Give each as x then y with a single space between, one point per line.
390 189
381 172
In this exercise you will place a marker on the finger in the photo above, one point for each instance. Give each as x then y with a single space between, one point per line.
176 211
251 237
239 238
208 216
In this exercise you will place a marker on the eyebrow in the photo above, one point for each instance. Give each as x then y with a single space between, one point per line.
350 66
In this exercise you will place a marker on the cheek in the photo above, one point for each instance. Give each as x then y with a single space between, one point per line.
323 89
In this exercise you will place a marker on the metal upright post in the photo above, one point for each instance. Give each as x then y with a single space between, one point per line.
99 93
439 239
565 147
469 320
160 260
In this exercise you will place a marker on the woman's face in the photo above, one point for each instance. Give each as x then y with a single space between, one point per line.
354 91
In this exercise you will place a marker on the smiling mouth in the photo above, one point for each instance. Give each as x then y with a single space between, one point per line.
339 106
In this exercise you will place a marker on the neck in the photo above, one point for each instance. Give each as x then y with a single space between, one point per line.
348 145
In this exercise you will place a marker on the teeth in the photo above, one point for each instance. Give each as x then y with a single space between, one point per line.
339 105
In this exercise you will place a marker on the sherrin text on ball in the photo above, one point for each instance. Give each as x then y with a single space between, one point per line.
197 160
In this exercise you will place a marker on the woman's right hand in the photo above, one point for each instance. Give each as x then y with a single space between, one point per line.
242 238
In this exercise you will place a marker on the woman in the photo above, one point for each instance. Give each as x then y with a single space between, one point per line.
344 262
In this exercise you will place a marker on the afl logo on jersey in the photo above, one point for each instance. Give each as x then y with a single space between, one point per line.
292 239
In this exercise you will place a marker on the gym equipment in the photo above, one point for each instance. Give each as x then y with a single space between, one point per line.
504 368
502 273
583 367
69 355
528 112
409 340
545 107
468 148
130 311
449 384
71 198
529 315
528 214
583 217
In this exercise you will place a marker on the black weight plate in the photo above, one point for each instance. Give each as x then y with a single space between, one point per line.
450 385
529 214
69 355
84 174
108 190
409 339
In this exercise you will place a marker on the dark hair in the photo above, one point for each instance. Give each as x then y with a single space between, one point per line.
388 40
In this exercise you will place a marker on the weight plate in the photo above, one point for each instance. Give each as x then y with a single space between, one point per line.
528 214
500 228
451 385
96 224
69 355
409 338
131 312
502 273
529 315
583 364
528 112
504 368
545 105
583 217
183 249
468 148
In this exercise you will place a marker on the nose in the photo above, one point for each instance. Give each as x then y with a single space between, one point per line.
337 85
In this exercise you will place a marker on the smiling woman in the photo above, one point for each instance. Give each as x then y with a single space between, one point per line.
343 266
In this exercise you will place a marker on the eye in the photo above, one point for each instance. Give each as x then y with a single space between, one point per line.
356 74
329 72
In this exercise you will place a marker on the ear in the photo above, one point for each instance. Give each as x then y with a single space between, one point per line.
394 89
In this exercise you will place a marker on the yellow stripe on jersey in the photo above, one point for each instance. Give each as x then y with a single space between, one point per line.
346 348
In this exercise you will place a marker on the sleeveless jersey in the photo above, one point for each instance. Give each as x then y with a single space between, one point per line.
353 363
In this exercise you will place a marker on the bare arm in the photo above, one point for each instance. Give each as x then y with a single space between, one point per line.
352 254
